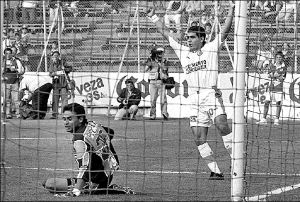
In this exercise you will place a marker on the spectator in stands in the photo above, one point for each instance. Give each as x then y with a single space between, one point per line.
129 98
25 34
7 41
13 8
271 11
174 12
288 55
21 49
160 5
73 7
25 39
194 23
264 54
14 50
158 72
54 47
206 18
59 70
277 74
12 74
115 5
208 32
287 11
120 29
36 90
194 9
53 5
11 33
257 4
29 11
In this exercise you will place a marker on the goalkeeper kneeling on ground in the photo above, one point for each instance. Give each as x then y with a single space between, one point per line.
95 155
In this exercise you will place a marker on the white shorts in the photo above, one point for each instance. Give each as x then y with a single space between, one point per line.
205 106
274 96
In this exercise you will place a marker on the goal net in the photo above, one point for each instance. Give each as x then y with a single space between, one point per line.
107 42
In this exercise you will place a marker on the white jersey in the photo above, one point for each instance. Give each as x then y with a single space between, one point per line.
201 69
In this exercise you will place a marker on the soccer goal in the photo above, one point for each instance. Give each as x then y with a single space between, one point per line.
108 42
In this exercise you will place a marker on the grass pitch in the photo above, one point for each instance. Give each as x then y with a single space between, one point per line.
158 159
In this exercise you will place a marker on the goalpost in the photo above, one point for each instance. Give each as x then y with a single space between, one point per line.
238 122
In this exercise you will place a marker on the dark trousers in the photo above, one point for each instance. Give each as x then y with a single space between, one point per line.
40 99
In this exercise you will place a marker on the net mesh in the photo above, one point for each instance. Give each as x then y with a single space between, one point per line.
107 42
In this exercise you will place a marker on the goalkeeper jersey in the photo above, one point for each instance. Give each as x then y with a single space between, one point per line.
90 165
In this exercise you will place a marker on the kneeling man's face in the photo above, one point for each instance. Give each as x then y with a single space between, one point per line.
71 121
129 86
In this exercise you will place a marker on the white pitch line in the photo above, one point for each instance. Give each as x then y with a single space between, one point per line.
146 171
122 171
115 139
119 139
262 197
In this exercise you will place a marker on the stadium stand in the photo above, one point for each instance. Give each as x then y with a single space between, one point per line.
90 38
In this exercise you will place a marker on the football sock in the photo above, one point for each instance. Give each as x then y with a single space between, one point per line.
227 139
207 154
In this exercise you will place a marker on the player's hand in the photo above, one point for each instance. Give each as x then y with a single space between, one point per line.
151 12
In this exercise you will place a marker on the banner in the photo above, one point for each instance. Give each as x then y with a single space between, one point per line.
96 89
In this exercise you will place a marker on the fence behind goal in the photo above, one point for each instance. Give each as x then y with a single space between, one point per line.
107 42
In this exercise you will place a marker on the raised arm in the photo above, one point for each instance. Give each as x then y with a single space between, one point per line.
228 22
164 30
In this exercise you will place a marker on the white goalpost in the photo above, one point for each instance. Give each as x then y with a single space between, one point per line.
238 122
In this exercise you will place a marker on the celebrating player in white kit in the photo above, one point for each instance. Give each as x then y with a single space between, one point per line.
199 61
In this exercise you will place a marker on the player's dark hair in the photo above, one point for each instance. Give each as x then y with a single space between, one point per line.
129 81
8 49
194 23
279 53
76 109
155 51
55 52
200 31
208 24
